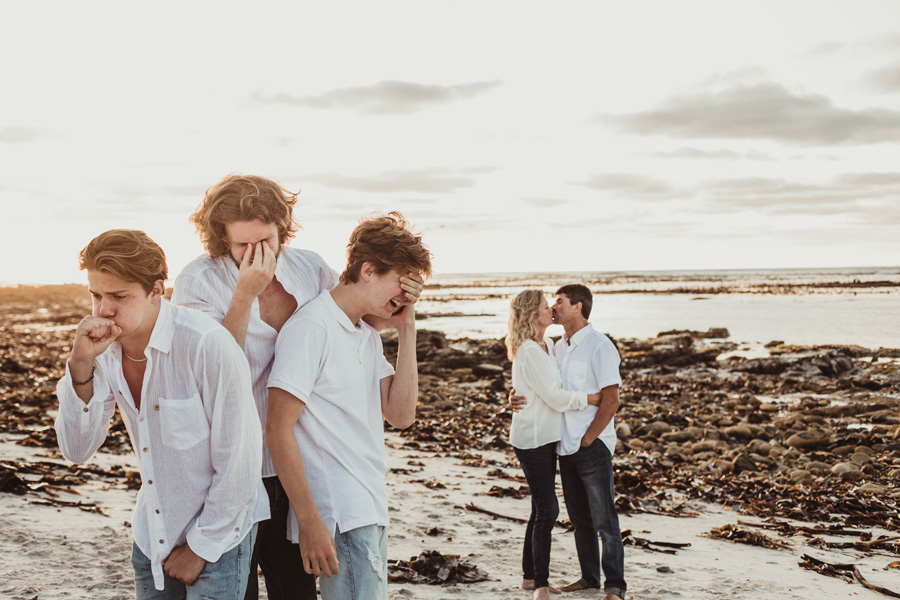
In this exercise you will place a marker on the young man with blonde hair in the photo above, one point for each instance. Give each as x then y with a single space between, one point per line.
330 392
183 390
251 281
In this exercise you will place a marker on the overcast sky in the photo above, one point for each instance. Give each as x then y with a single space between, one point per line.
518 136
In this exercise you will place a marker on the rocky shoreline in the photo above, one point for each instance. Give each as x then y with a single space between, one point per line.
810 433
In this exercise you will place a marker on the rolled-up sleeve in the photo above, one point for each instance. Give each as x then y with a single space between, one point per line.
605 364
235 447
81 428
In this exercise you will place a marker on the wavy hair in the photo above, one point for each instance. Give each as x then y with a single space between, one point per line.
243 198
128 254
523 315
388 242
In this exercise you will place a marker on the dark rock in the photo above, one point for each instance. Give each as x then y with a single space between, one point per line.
487 370
744 463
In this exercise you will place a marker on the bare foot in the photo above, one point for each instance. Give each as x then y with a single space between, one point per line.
528 584
541 594
578 585
612 597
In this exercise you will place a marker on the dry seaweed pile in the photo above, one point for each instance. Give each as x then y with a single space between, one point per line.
36 328
809 433
53 484
433 568
847 572
741 535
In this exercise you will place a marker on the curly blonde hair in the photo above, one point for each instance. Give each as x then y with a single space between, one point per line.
243 198
523 314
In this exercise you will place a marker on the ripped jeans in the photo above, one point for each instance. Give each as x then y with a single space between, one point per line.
362 555
225 579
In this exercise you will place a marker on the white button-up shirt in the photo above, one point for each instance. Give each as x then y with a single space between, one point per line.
336 369
536 376
195 436
589 362
207 284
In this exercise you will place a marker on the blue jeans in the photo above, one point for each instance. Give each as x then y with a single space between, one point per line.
225 579
587 481
277 556
362 555
539 465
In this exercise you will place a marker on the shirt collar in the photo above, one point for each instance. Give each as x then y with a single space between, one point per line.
339 315
580 335
164 328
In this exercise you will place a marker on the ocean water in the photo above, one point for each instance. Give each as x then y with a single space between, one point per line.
798 306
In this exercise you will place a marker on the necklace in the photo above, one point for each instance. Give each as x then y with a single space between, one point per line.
134 359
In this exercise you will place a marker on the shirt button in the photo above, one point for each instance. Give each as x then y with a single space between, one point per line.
86 409
238 529
142 419
150 482
145 450
162 542
156 407
157 511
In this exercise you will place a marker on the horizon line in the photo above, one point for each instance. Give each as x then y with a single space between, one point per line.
561 272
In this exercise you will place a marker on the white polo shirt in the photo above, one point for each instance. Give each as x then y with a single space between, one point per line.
536 376
207 284
589 362
336 368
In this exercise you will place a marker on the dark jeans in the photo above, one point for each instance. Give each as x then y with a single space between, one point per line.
279 559
539 465
587 481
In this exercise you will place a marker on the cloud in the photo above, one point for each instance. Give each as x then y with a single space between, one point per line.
826 49
120 200
434 181
885 42
544 202
849 194
730 107
382 98
878 45
885 79
632 185
17 134
722 154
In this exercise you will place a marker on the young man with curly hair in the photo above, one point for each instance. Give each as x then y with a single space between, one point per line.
251 281
330 392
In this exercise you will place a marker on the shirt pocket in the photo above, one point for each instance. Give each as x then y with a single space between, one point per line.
577 375
183 422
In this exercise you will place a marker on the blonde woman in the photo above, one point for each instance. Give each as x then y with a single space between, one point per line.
537 427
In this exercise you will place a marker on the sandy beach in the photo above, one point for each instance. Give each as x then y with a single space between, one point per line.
54 553
796 449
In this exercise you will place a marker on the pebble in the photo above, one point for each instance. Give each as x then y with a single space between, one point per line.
801 476
811 438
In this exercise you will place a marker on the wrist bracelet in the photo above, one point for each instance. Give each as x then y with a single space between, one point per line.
86 381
